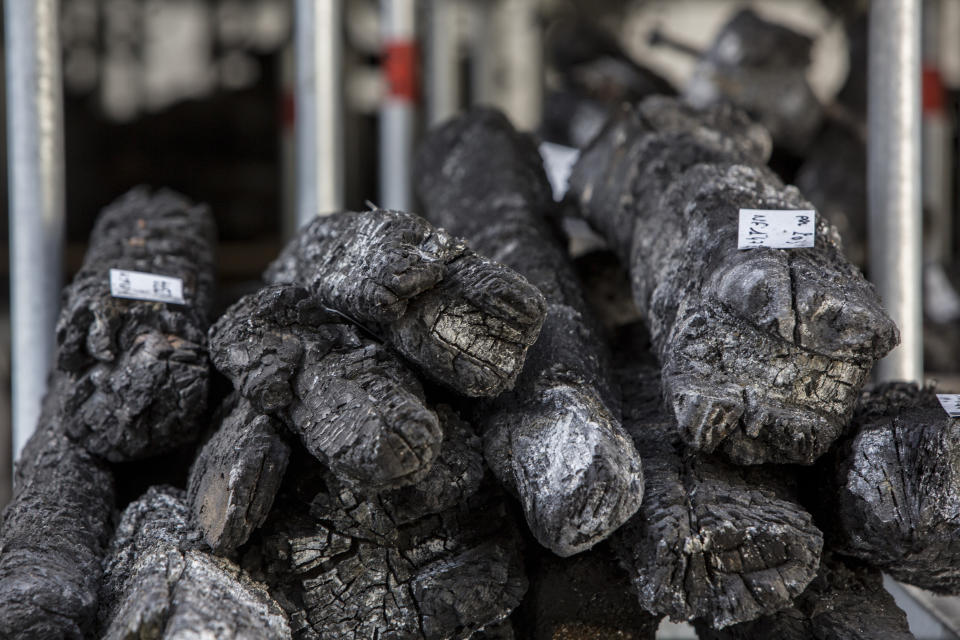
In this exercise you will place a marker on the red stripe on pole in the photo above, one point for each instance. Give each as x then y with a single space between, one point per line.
934 97
400 67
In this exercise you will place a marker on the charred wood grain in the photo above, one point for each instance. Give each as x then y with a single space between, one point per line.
139 368
555 440
351 402
711 541
53 535
763 351
236 476
464 321
845 602
159 582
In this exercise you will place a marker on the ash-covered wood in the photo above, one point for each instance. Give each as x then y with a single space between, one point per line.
351 402
588 596
140 370
556 439
897 501
844 602
236 476
763 351
53 535
711 541
464 321
159 582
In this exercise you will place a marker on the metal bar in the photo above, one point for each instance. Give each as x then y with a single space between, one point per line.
398 112
442 80
36 175
319 108
893 178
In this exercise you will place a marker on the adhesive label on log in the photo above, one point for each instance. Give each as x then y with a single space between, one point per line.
137 285
777 229
950 403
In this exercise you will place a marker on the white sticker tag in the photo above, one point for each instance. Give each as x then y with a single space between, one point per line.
950 403
776 229
137 285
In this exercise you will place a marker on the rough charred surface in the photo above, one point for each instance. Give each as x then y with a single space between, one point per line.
897 504
465 321
150 358
844 602
761 67
588 596
236 476
556 439
763 351
52 536
448 575
709 541
159 583
351 402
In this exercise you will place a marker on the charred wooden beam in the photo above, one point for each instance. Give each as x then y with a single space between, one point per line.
897 488
159 582
236 476
711 541
844 602
140 370
555 440
464 321
53 535
763 351
351 402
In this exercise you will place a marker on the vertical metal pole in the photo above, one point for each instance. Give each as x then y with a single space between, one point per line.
893 178
442 80
398 113
36 172
319 108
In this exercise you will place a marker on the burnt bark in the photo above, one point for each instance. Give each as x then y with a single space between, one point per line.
351 402
148 357
159 582
556 439
844 602
464 321
763 351
53 535
236 476
897 488
711 541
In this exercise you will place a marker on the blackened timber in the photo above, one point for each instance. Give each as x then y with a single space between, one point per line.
140 368
763 351
348 398
53 536
556 439
236 476
159 582
464 321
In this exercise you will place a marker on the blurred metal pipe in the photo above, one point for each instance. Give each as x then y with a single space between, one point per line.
398 112
36 174
893 178
442 80
319 108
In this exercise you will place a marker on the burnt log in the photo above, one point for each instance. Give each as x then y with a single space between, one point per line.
351 402
159 582
763 351
53 535
555 440
897 488
139 368
236 476
464 321
845 602
711 541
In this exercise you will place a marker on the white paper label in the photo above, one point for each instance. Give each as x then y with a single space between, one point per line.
776 229
137 285
950 403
